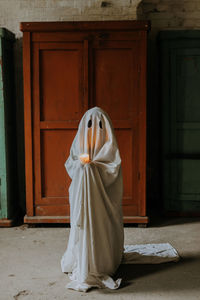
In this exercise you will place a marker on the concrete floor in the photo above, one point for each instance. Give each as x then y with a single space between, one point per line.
30 264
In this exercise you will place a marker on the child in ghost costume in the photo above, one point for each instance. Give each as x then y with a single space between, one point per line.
96 242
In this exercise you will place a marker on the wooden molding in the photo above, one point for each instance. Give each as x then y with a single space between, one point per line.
85 25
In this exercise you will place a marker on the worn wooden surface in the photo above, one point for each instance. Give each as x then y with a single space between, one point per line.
84 26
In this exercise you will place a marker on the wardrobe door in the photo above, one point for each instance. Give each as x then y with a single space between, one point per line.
118 69
59 102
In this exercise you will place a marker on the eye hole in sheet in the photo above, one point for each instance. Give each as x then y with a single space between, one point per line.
89 123
100 124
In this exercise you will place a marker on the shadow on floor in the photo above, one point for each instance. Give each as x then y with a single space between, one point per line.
169 276
166 221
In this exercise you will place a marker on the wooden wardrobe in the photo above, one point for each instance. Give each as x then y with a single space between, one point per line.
70 67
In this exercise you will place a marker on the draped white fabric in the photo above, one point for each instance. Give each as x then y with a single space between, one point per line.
96 242
149 254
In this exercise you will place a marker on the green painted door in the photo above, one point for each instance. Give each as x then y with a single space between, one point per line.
3 181
180 63
8 195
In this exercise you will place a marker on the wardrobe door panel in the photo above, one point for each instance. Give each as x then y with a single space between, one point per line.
54 152
113 81
116 82
60 84
58 104
125 143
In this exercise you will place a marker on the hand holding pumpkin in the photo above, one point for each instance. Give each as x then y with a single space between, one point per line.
84 158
